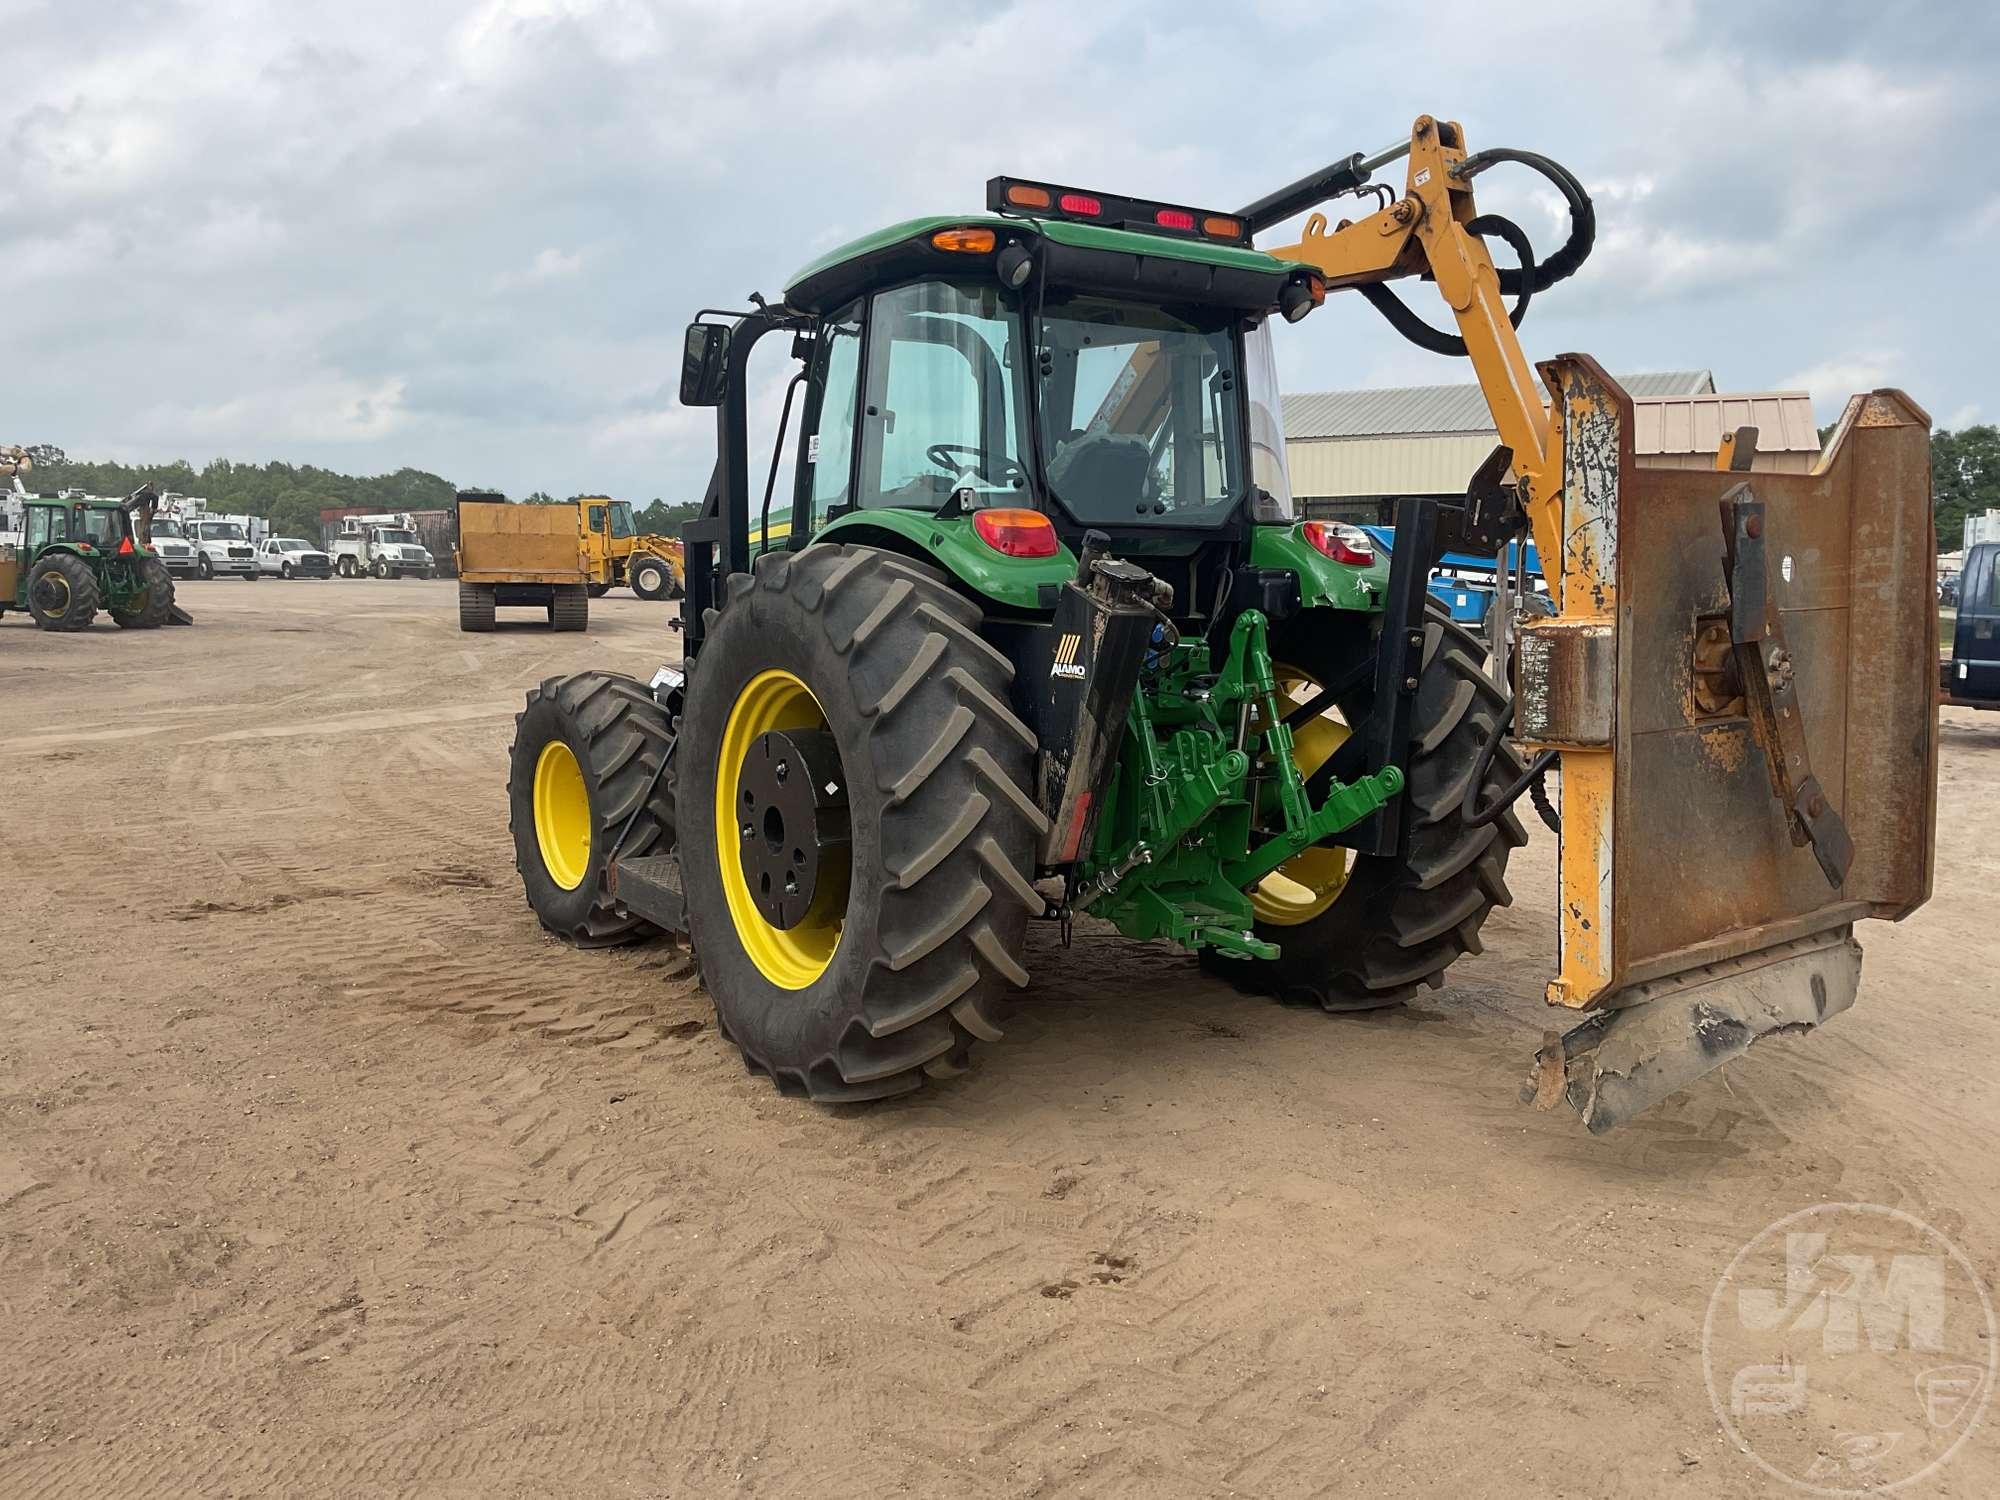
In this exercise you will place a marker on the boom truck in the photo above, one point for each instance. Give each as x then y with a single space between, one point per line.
380 546
1043 637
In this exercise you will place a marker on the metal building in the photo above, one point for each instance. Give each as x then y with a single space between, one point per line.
1350 452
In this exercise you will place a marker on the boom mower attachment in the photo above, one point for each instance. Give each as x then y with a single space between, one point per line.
1746 721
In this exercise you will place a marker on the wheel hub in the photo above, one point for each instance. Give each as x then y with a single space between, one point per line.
792 823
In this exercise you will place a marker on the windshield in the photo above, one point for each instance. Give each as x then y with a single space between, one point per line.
162 527
1140 411
395 536
621 519
295 544
221 531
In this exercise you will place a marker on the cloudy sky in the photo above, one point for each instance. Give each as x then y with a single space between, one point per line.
465 236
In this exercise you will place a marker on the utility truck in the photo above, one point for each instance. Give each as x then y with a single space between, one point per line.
1044 638
380 546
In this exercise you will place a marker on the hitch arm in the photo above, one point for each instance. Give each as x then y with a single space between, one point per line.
1768 674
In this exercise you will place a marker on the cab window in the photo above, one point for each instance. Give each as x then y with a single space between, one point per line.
596 518
622 523
939 411
829 453
46 524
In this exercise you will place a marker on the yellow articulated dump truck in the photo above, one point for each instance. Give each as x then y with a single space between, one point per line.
520 557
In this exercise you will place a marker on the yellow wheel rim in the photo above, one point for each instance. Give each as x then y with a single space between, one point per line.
1310 881
562 815
790 957
53 580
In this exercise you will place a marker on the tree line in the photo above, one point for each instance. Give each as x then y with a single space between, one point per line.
1965 480
290 496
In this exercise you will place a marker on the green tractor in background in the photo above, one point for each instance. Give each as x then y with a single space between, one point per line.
1037 635
79 556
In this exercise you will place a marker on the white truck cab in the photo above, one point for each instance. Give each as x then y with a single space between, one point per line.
223 547
384 546
175 547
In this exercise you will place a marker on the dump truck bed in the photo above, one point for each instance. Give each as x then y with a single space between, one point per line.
502 543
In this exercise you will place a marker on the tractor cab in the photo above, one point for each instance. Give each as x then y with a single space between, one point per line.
1065 363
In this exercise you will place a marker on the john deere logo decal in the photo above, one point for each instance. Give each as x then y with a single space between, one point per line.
1068 649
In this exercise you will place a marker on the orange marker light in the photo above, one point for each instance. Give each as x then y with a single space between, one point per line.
1023 196
1016 533
1221 228
966 241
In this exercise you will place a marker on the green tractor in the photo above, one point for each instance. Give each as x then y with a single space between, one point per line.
79 556
1036 634
1039 637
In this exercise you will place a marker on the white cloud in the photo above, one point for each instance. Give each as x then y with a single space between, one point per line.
548 265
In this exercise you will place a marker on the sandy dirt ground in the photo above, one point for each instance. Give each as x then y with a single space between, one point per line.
324 1172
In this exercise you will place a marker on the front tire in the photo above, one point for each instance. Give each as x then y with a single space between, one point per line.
285 571
888 664
152 602
1400 921
587 751
205 569
63 592
651 577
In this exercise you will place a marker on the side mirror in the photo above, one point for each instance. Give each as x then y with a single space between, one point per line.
705 364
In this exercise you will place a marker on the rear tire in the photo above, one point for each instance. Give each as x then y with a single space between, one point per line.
153 602
1400 922
63 592
932 931
652 577
475 608
570 608
618 737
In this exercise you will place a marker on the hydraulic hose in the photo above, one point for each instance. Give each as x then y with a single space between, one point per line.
1520 282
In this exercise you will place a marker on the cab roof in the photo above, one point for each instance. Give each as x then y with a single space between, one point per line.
1230 274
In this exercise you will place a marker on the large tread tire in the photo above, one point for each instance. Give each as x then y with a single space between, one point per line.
1400 922
570 608
71 581
943 825
619 736
475 608
153 603
652 577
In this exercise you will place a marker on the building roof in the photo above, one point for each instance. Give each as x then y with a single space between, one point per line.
1695 424
1437 409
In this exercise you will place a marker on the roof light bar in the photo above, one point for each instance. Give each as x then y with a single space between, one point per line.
1047 200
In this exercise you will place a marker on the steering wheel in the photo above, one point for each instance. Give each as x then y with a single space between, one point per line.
941 455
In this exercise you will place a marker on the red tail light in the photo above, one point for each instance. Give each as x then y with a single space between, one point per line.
1174 218
1016 533
1079 203
1342 543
